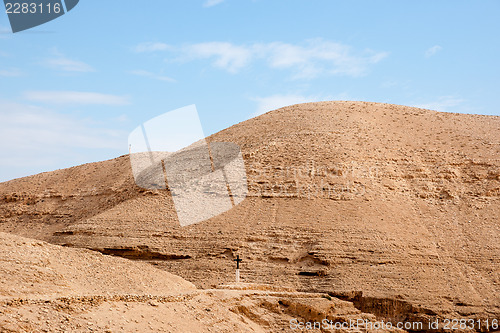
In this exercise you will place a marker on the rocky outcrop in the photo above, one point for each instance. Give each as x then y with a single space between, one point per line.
47 288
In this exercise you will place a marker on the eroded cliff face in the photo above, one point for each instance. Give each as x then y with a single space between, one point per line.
49 288
397 202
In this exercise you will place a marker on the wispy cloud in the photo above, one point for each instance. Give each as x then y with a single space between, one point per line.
5 32
318 57
308 60
13 72
152 75
32 125
75 97
151 47
432 51
443 104
45 139
226 55
60 62
123 118
210 3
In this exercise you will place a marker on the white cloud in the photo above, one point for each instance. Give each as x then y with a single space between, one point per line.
432 51
123 118
33 137
62 63
5 32
319 56
227 56
210 3
75 97
309 60
151 75
13 72
442 104
151 47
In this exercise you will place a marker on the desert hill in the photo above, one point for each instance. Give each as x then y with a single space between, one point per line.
31 268
48 288
399 203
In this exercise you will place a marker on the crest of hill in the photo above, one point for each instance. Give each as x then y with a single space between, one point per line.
375 128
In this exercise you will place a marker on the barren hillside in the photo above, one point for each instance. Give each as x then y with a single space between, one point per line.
48 288
401 204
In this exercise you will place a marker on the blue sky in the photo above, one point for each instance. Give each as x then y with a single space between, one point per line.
73 89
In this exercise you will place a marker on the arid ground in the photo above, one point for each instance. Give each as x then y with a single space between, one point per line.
354 210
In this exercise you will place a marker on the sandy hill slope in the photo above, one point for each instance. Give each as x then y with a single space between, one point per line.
31 268
401 204
48 288
52 200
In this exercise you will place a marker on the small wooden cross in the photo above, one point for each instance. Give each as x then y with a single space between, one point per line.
238 260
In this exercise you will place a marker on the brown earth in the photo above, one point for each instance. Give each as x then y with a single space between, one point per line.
48 288
399 203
